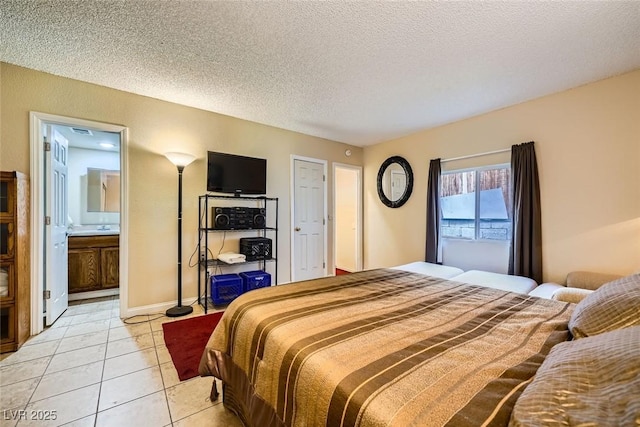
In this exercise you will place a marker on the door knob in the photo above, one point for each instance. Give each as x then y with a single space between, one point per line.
297 228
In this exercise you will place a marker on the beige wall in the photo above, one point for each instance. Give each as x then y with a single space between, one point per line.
156 127
588 148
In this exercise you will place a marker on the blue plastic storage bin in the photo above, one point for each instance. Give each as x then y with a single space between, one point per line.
225 288
254 280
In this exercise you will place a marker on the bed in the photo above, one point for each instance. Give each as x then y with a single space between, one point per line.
382 347
400 348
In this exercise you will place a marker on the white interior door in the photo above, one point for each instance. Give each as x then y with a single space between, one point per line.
56 202
398 184
309 222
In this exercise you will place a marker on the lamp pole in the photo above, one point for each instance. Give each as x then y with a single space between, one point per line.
180 160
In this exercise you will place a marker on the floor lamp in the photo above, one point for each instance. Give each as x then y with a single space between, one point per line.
181 160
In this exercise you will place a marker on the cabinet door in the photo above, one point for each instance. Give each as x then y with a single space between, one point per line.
6 282
7 239
7 327
110 267
7 197
84 270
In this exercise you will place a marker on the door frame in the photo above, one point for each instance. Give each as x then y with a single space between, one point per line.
36 121
359 225
295 157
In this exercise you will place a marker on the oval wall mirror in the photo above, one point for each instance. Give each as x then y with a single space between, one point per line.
395 181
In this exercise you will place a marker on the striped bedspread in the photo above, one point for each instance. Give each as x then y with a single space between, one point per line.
380 348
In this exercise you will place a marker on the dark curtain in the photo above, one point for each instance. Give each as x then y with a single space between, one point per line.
433 211
525 258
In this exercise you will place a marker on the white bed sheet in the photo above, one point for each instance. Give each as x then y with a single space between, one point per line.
430 269
504 282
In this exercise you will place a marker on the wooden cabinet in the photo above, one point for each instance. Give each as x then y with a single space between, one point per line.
93 263
15 279
110 265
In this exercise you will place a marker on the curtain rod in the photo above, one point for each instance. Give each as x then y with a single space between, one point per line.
475 155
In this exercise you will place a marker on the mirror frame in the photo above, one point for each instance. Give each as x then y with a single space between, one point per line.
407 191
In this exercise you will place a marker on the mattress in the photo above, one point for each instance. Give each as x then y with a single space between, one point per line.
430 269
504 282
380 348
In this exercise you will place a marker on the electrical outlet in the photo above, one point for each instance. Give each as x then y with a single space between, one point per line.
203 255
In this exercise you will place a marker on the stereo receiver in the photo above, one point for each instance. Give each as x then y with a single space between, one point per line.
238 218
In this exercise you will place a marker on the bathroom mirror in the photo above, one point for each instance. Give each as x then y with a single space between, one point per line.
395 181
103 190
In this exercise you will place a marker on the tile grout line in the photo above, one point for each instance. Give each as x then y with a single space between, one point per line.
106 349
164 385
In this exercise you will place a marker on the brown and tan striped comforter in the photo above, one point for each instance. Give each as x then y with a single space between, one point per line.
380 348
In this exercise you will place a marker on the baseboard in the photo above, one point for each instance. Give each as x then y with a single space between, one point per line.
155 308
162 307
94 294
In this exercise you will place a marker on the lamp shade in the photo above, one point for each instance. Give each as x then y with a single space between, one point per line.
180 159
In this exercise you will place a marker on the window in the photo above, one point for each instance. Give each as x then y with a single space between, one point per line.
476 203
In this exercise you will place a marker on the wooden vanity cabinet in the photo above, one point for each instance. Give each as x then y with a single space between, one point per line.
93 263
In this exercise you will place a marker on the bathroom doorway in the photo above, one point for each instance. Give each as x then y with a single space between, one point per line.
347 225
93 219
91 261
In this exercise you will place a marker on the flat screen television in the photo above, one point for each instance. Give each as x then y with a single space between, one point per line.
233 174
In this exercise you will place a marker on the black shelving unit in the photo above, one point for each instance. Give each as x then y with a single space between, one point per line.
206 203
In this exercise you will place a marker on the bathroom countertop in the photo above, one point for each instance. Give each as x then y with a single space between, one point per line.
94 230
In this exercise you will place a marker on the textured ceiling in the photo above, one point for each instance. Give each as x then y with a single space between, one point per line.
356 72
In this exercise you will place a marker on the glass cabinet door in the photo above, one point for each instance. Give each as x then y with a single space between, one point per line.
6 320
6 281
6 240
6 198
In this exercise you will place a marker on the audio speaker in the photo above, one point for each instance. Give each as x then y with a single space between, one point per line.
256 248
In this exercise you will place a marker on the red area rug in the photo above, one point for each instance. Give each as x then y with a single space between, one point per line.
186 340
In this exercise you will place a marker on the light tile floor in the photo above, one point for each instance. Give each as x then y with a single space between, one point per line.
92 369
